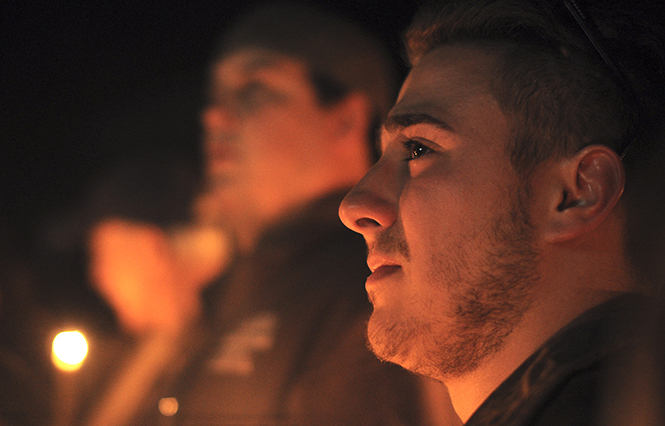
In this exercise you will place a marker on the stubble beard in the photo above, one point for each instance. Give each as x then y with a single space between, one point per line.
488 300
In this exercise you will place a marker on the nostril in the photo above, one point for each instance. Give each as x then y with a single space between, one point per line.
366 222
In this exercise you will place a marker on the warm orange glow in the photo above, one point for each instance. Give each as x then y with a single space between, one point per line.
168 406
69 350
151 278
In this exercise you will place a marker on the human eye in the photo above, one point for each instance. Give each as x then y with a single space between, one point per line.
256 95
252 96
415 149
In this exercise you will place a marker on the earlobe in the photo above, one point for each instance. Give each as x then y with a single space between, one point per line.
591 184
353 115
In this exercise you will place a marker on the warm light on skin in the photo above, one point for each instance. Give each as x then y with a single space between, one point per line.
152 278
168 406
69 350
270 146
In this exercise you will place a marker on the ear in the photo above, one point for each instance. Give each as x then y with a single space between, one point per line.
587 187
352 117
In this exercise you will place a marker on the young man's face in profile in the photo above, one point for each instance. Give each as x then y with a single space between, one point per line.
449 242
262 133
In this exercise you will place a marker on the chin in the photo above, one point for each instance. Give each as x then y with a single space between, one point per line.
402 343
391 341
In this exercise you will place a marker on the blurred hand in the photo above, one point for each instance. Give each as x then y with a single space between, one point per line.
153 279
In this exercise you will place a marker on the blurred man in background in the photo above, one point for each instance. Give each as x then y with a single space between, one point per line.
295 95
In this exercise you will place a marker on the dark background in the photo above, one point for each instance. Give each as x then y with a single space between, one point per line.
86 83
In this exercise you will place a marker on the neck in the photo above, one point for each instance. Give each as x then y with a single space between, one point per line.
577 280
538 324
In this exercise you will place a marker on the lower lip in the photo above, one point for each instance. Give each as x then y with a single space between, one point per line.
382 273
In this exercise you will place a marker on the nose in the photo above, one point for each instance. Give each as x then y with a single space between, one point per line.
216 117
371 206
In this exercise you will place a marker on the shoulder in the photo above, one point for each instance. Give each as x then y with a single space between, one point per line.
564 381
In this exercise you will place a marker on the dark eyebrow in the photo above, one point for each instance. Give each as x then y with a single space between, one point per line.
262 62
402 121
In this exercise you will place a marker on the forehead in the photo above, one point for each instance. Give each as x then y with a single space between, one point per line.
449 84
449 89
247 64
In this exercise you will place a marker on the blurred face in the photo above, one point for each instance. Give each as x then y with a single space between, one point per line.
260 129
444 217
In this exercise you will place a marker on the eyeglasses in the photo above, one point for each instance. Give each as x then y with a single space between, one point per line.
597 41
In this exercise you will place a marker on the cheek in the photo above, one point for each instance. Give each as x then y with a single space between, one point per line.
263 146
429 215
282 133
439 226
263 134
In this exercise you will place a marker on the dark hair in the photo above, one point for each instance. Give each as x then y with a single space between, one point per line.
548 78
328 90
341 55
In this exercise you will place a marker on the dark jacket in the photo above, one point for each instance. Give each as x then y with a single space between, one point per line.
566 381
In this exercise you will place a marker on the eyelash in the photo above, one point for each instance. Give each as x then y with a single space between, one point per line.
415 149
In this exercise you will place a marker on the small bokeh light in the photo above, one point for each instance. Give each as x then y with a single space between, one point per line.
69 350
168 406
